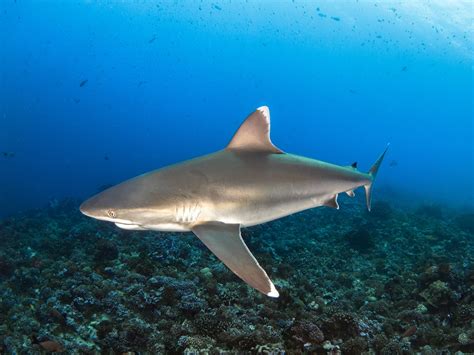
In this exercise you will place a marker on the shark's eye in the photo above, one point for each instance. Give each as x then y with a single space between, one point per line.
111 213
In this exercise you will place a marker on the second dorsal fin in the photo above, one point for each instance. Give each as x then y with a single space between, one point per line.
254 133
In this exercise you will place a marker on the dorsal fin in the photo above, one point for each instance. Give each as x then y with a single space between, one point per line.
254 133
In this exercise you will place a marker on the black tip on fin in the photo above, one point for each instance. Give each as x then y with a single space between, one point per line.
354 165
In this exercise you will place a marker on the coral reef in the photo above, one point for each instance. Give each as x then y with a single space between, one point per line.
395 281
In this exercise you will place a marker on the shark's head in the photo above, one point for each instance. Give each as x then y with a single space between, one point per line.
110 206
130 205
106 206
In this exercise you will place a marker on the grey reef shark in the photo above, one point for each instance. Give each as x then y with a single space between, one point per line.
249 182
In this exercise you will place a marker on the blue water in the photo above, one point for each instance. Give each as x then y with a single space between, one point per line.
172 80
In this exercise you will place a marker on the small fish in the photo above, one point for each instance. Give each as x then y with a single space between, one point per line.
352 91
140 83
83 82
58 316
106 157
8 154
217 7
335 18
51 346
404 68
409 332
152 39
77 100
393 163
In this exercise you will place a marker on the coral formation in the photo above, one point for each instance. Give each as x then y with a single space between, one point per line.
360 239
404 285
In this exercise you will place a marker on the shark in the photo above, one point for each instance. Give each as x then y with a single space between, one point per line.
247 183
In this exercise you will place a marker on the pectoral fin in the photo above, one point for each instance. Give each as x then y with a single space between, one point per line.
225 241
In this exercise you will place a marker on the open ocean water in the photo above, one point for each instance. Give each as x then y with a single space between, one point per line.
93 93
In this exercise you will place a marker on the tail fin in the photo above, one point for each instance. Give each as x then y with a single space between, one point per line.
373 173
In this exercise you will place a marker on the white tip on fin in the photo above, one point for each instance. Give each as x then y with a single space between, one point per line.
265 110
273 293
254 133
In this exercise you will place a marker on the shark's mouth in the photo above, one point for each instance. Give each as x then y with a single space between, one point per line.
129 226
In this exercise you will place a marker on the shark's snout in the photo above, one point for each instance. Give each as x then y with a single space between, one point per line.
96 207
101 207
87 209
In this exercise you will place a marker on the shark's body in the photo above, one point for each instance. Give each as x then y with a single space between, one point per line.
248 183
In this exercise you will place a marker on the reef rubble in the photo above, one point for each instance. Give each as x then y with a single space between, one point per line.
393 281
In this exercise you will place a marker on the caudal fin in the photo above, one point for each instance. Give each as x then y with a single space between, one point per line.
373 173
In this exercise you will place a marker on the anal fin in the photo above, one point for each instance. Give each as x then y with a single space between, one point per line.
225 241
